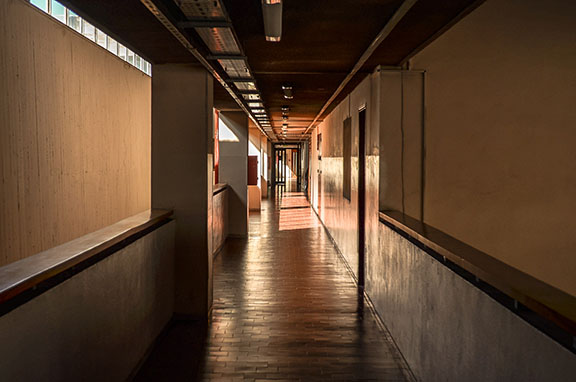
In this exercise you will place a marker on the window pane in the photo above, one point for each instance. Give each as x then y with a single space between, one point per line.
88 30
122 51
112 45
138 62
74 21
58 11
101 38
130 57
42 4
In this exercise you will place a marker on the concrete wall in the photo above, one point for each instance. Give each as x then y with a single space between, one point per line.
74 134
219 220
449 330
339 214
97 325
234 171
182 144
500 159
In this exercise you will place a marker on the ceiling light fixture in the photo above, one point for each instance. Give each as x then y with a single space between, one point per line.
245 85
287 89
251 97
272 13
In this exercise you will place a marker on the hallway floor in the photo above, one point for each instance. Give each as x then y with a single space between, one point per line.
286 308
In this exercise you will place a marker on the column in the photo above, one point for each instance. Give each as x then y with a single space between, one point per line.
182 145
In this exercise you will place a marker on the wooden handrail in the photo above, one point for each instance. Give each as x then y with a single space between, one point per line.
25 279
218 188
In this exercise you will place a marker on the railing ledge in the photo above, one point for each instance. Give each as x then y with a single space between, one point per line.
24 279
546 300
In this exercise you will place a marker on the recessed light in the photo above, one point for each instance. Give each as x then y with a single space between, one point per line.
251 97
287 89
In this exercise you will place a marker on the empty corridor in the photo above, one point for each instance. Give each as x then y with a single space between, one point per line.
286 308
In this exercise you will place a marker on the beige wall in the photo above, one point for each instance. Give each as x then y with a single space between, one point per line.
74 134
501 162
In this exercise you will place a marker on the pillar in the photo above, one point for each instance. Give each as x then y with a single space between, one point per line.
182 145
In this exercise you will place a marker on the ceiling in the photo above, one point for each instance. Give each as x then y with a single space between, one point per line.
322 41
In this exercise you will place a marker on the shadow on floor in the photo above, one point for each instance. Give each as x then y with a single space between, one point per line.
177 354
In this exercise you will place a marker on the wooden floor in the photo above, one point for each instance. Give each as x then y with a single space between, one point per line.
285 308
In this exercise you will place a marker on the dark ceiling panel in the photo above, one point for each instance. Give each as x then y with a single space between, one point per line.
317 36
310 92
321 42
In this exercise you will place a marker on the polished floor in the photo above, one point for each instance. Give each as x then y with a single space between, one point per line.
285 308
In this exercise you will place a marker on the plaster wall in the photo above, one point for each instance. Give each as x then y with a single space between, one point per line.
401 127
449 330
74 134
97 325
500 159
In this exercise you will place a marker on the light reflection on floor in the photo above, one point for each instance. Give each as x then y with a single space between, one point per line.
296 213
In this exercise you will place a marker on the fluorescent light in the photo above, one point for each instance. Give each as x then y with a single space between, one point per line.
248 85
251 97
235 67
272 13
255 104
